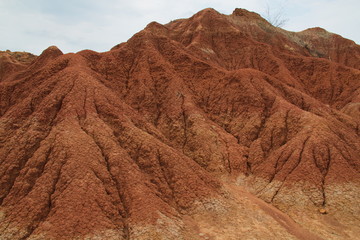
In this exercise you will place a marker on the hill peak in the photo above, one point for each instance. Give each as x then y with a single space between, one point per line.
240 12
52 51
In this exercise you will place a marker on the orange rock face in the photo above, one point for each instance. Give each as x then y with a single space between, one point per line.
212 127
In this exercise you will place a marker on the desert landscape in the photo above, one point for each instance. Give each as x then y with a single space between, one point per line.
212 127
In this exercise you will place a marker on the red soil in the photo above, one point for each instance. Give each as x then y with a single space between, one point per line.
95 142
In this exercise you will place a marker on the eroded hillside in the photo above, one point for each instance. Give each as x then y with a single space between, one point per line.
212 127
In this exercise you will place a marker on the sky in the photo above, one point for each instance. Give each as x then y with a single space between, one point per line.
75 25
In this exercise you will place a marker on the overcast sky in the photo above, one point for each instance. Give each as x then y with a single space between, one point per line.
74 25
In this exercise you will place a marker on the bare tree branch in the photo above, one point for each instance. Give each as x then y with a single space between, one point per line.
275 18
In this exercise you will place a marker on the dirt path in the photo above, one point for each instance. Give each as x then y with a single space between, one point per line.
283 219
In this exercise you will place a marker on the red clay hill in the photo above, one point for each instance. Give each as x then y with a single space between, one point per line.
212 127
